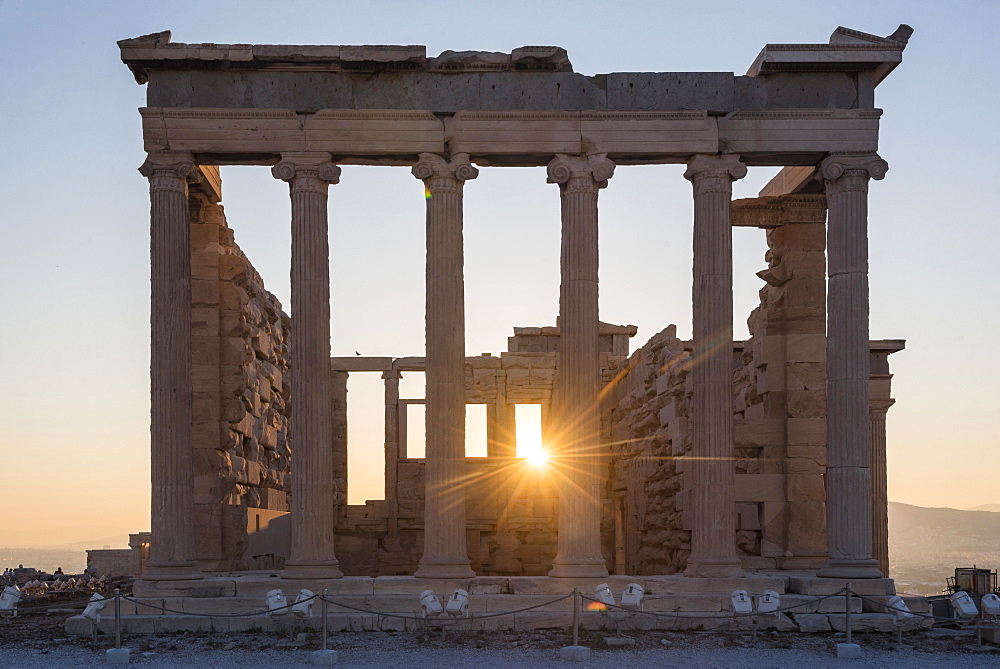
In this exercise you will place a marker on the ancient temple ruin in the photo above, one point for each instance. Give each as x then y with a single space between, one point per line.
683 461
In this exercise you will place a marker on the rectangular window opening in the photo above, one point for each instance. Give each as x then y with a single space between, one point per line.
415 444
528 432
365 437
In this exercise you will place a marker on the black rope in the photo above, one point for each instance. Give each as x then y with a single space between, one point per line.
709 616
257 612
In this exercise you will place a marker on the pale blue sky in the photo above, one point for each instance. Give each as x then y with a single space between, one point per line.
74 214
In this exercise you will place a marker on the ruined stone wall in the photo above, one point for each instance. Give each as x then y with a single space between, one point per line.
779 387
780 403
241 391
110 562
650 402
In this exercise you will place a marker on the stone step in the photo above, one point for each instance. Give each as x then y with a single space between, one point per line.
336 622
257 584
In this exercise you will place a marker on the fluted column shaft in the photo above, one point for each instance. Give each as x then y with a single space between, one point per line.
880 492
445 552
712 472
172 475
313 495
848 474
577 451
391 394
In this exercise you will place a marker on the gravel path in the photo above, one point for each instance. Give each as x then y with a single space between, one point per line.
502 649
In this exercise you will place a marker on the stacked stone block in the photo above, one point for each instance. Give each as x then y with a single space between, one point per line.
242 396
650 403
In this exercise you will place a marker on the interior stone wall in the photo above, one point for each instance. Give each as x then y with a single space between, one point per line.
650 402
779 430
242 391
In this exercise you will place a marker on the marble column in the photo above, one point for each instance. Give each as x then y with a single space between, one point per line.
313 495
338 445
391 394
848 472
880 493
445 552
577 448
712 466
172 553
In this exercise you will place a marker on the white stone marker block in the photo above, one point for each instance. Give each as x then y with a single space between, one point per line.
323 658
574 653
117 656
848 651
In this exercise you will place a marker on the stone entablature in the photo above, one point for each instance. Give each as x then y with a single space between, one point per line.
841 75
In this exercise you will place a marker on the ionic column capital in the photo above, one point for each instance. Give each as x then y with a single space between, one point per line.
851 171
584 172
440 174
307 171
167 170
710 171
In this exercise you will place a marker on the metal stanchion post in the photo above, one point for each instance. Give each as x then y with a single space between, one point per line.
116 655
324 657
118 619
324 617
576 652
576 616
847 619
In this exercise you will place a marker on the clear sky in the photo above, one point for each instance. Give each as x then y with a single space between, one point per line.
74 264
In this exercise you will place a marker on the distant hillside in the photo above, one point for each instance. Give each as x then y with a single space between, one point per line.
117 541
926 545
985 507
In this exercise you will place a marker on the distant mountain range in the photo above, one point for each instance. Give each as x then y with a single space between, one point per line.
927 544
117 541
985 507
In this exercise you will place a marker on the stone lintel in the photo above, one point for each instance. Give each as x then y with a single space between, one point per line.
777 136
360 364
206 178
890 345
788 180
772 212
603 329
512 138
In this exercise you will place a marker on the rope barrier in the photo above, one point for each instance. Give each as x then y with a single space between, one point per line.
255 612
675 615
258 612
710 616
925 616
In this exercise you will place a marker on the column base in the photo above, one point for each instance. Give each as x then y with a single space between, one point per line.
306 569
850 569
803 563
458 569
719 568
186 570
579 570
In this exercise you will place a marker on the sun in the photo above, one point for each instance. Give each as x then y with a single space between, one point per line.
529 444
